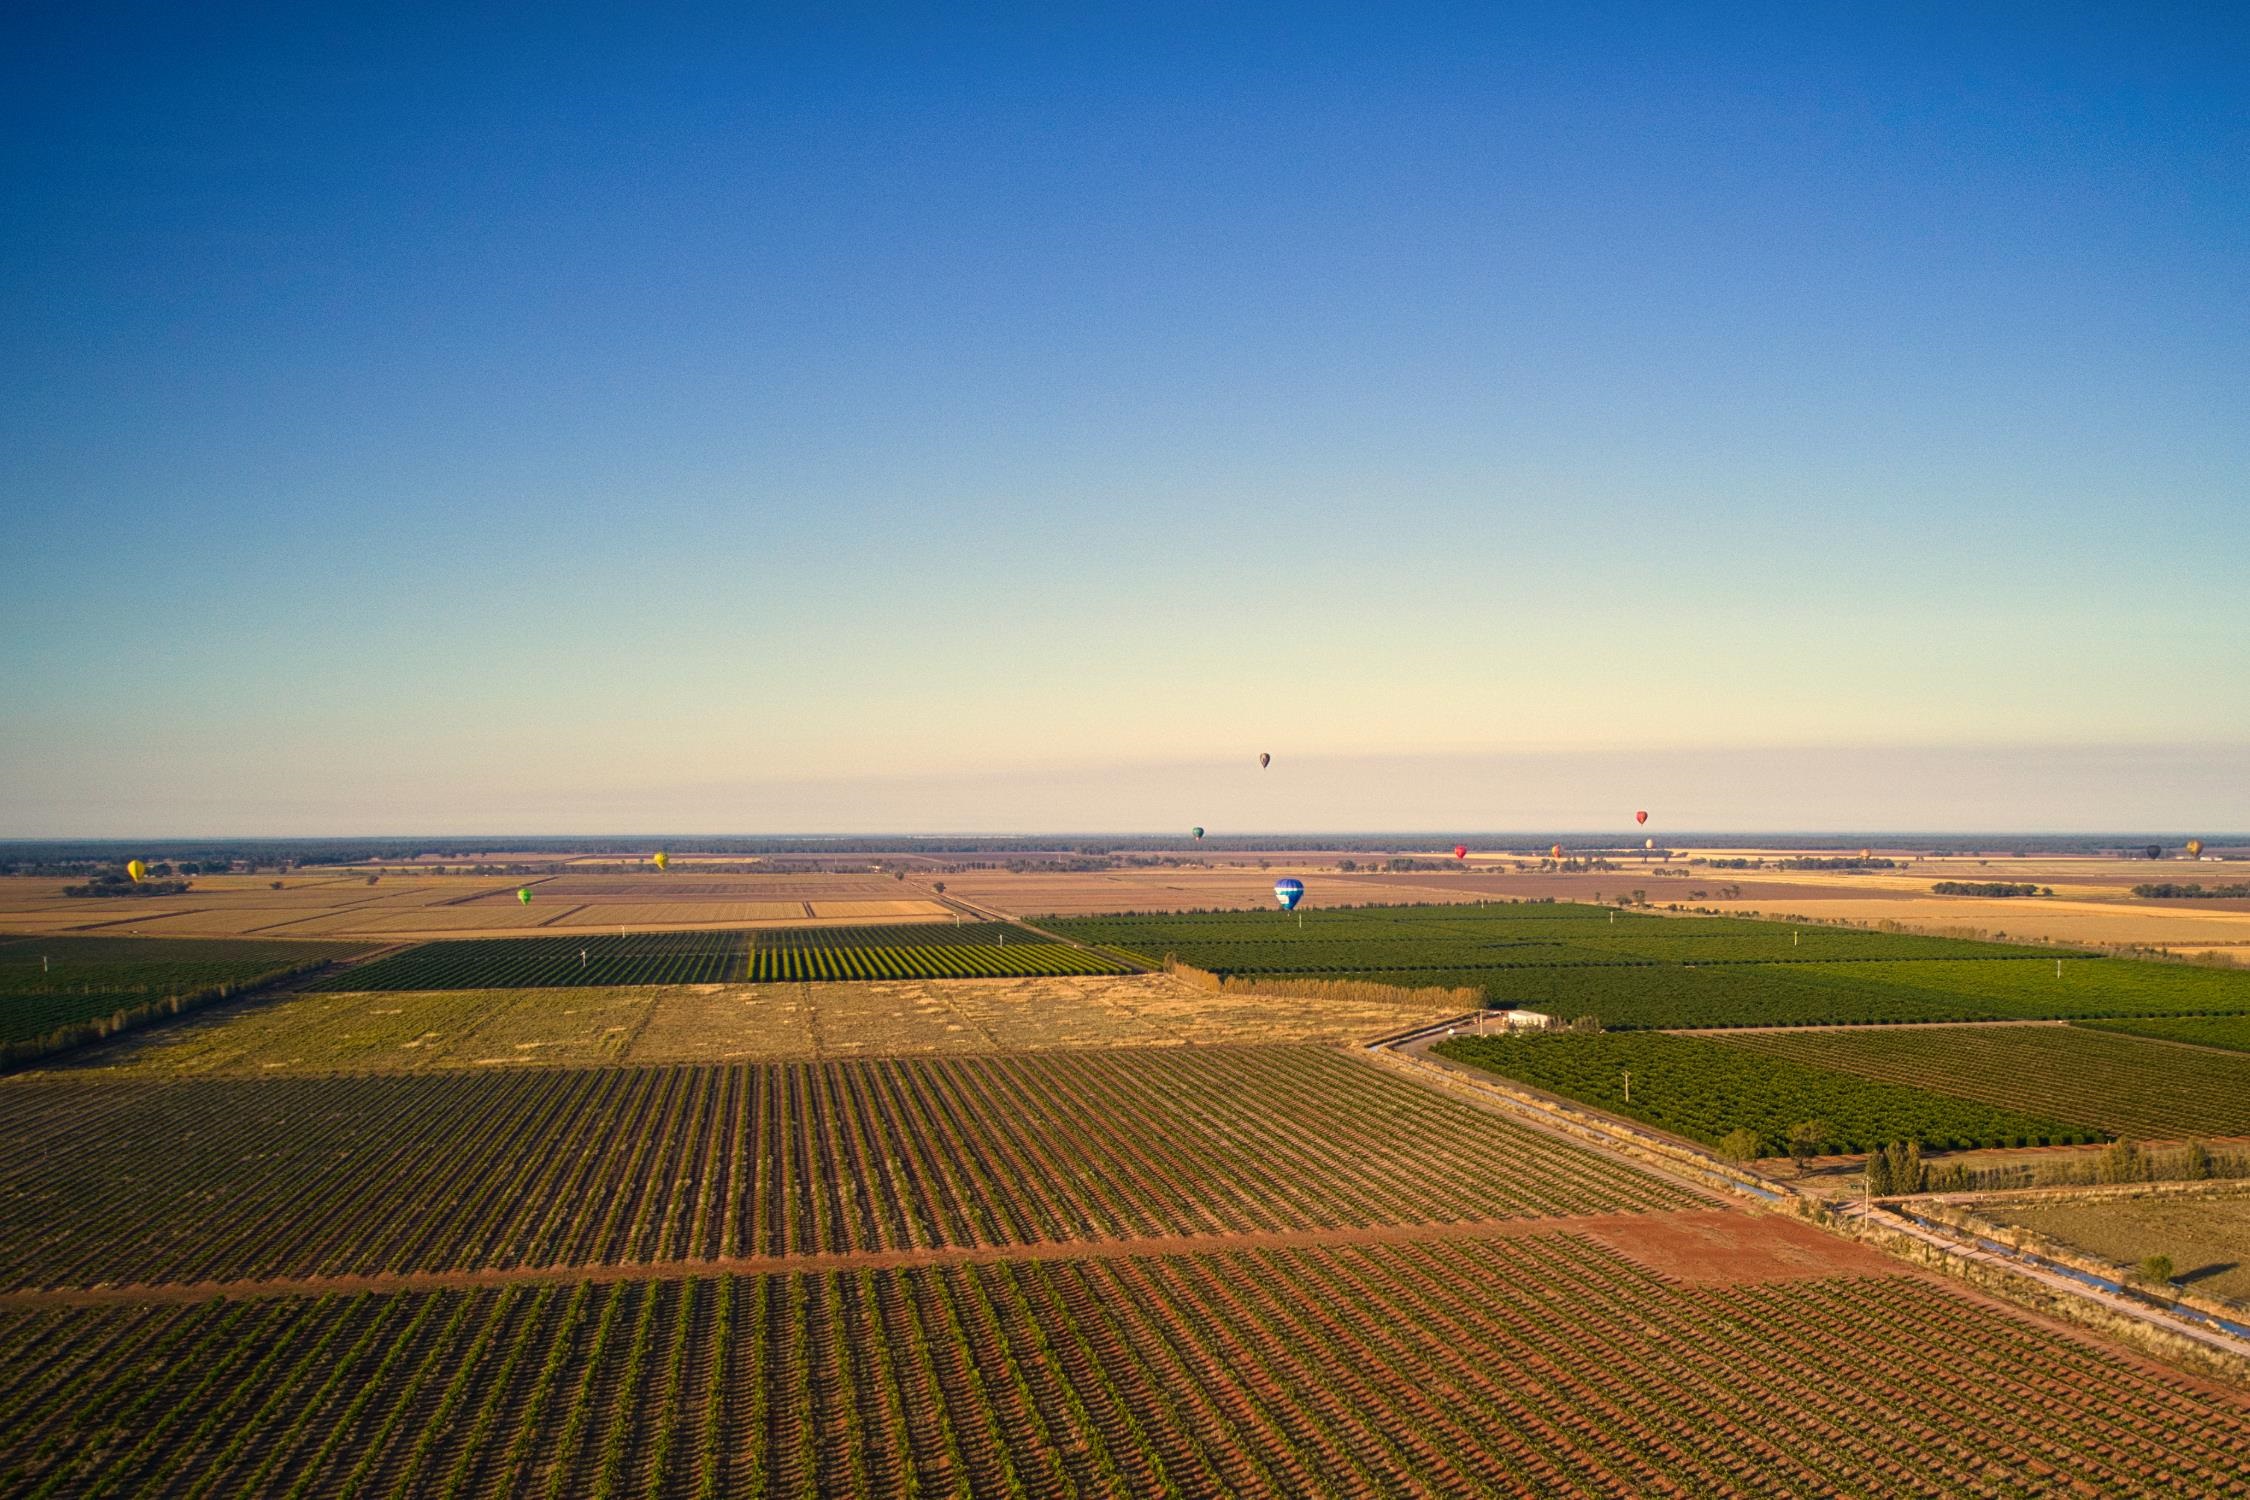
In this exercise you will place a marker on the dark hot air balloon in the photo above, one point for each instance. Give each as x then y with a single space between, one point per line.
1264 761
1198 834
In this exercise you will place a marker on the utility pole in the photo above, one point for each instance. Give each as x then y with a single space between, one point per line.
1628 1085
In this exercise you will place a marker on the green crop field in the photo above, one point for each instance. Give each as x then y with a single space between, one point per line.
1370 940
980 950
50 983
2231 1032
972 950
1703 1090
591 959
2118 1084
1635 970
1679 996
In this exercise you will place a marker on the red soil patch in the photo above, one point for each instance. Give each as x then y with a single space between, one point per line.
1729 1249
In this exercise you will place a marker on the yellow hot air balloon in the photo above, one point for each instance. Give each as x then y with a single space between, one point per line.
137 870
2195 848
1556 851
663 860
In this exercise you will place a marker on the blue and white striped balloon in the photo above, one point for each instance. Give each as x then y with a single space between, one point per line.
1289 893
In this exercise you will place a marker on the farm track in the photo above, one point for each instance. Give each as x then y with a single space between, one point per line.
1618 1226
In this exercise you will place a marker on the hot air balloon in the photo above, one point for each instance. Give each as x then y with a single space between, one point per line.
2154 851
1198 834
1289 892
1866 854
137 870
1640 817
523 894
1460 851
2195 848
1556 851
1264 761
662 859
1648 843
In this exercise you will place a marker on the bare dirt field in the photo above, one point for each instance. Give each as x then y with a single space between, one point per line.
438 1031
2207 1236
420 905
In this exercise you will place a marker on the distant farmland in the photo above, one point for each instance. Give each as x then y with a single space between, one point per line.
993 950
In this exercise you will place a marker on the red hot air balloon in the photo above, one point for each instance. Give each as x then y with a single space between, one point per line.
1640 817
1460 851
1556 851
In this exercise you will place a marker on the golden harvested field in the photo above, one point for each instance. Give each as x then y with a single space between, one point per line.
410 906
397 1032
866 911
434 1031
2207 1235
680 913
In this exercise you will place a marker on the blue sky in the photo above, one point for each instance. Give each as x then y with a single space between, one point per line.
739 421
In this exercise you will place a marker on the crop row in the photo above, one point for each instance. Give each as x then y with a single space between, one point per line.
586 959
2120 1084
1705 1090
220 1179
1644 994
926 961
1468 936
1546 1365
2230 1032
875 951
904 935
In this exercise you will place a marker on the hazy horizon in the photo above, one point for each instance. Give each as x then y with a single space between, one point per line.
1988 790
1024 419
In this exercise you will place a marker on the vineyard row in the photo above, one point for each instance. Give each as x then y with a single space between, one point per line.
229 1179
1542 1366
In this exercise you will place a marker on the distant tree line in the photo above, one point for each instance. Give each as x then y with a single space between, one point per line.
1989 888
118 885
2193 891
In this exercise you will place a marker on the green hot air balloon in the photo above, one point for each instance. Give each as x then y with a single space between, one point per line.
1198 834
523 894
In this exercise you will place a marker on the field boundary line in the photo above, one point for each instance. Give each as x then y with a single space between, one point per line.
834 1260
